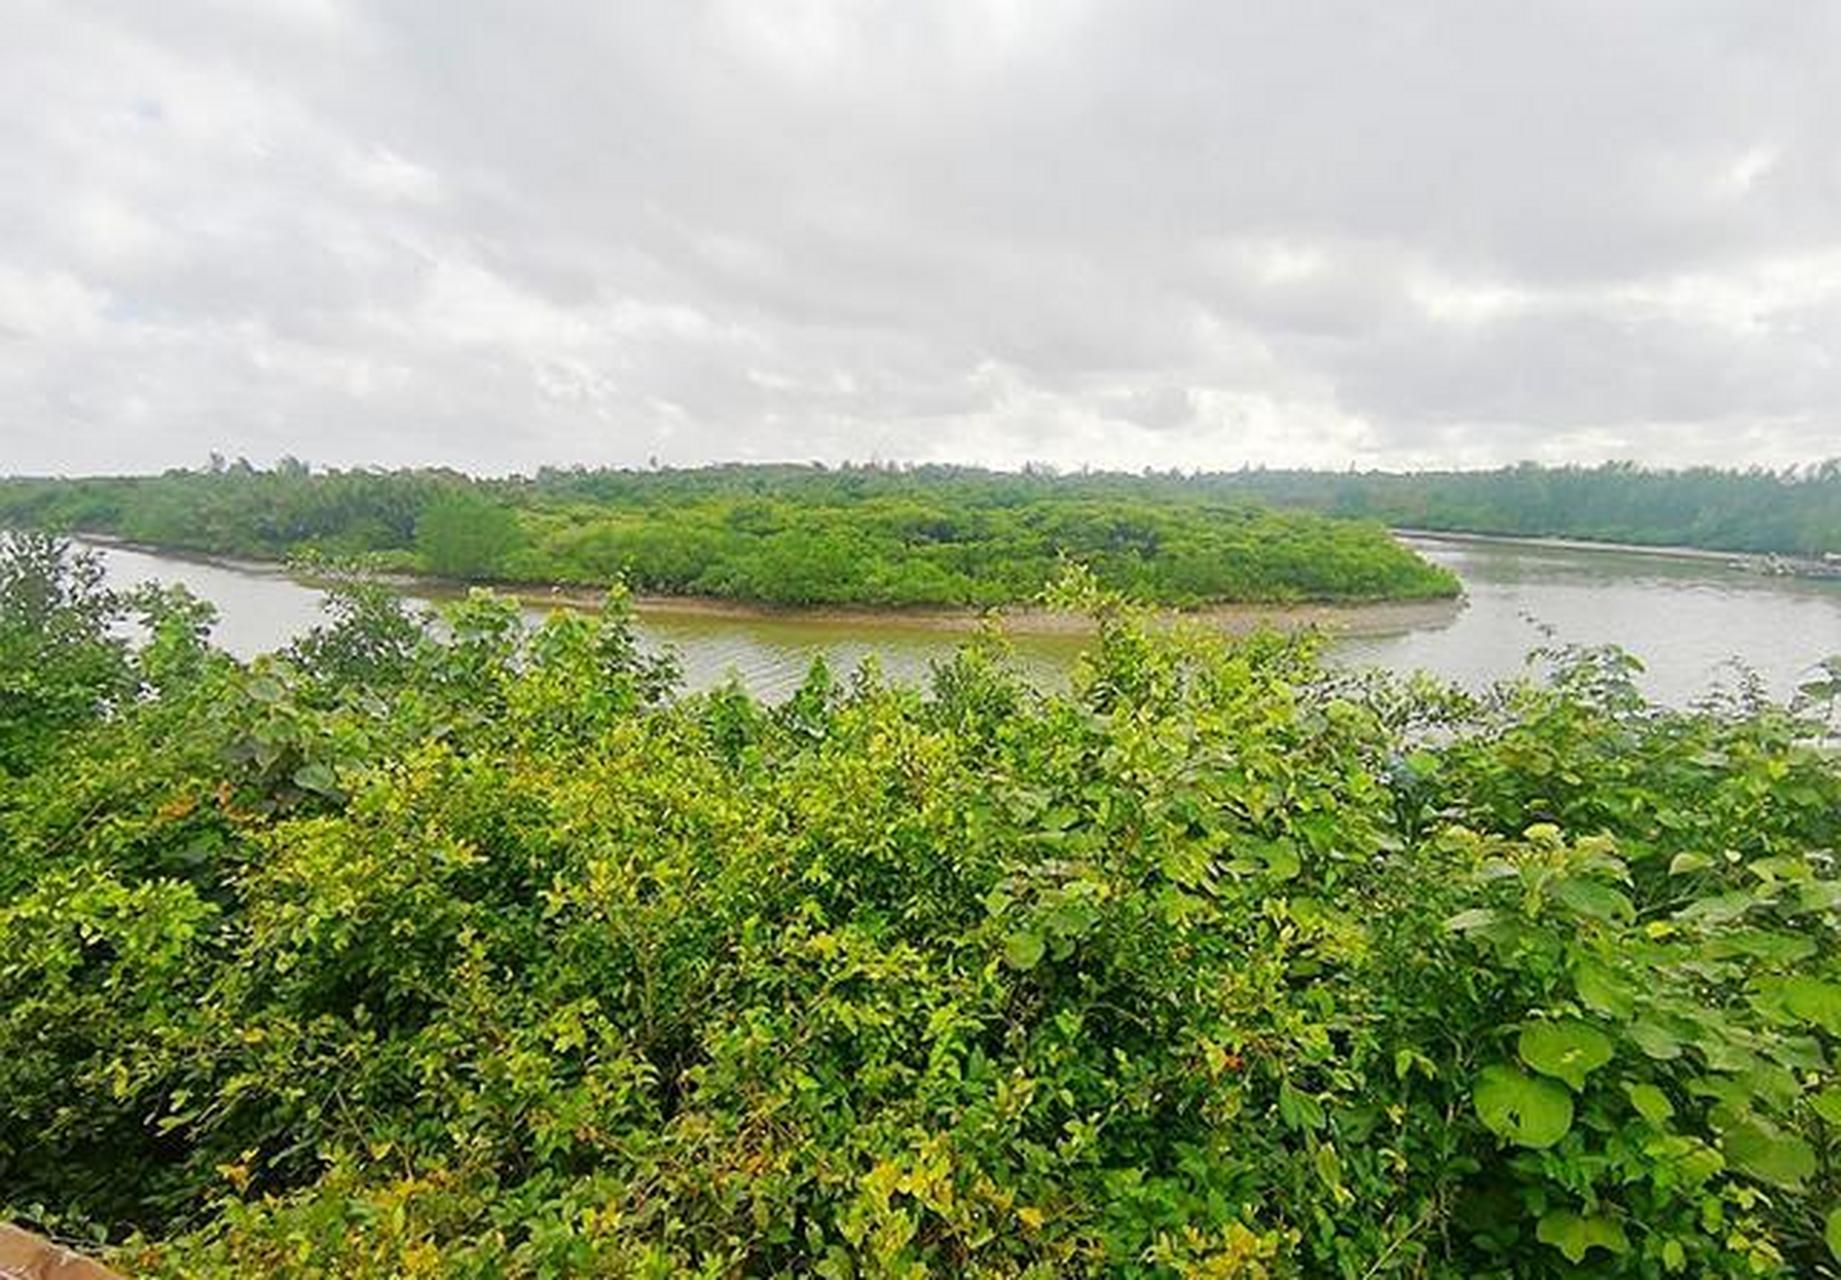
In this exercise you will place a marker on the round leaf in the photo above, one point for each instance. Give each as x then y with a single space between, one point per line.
317 777
1282 860
1596 900
1815 1001
1762 1150
1601 990
1575 1234
1023 949
1568 1051
1526 1110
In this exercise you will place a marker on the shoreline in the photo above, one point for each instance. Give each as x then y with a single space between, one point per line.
1357 618
1776 563
1378 617
1558 542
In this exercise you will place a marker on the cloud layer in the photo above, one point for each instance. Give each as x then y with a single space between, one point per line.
1122 234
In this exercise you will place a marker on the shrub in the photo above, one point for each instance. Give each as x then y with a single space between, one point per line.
474 951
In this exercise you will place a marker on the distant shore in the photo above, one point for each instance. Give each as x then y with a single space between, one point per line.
1767 562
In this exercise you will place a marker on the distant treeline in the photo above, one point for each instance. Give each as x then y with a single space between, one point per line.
775 534
1793 512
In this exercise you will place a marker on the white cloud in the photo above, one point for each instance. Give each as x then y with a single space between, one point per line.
48 306
1168 233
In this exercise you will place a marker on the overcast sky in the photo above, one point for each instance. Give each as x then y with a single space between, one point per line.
1135 233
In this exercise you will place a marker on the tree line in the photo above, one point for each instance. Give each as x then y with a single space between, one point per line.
1795 511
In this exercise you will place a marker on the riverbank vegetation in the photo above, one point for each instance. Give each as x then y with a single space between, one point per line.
481 951
783 536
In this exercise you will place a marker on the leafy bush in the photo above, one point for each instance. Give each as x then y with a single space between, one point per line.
475 951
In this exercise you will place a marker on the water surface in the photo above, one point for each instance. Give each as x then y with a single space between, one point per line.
1692 620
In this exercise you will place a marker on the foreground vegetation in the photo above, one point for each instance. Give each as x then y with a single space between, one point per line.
478 952
786 536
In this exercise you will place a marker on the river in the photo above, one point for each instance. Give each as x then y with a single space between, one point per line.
1693 620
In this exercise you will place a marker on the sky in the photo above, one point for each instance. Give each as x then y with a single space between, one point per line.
498 235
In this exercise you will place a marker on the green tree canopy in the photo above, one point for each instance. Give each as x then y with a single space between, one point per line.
464 535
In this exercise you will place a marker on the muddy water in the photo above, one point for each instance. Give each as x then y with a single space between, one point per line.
1690 619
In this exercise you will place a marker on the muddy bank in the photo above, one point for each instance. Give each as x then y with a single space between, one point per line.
1376 618
1236 619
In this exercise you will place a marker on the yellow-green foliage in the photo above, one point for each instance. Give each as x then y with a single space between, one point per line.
481 953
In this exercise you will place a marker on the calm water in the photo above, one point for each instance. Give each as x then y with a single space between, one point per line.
1689 620
1693 622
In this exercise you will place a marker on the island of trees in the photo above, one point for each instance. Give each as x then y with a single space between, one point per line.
480 951
775 535
932 536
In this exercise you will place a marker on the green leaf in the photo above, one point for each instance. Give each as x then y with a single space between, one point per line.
1409 1060
1827 1104
1526 1110
1815 1001
1475 918
1821 895
1187 865
1023 949
1656 1041
1765 944
1781 867
1544 834
1329 1168
1698 1164
1602 991
1651 1103
1686 863
1759 1148
1568 1051
1722 1051
1576 1235
1299 1110
1281 860
316 777
1831 1232
1594 900
1719 909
